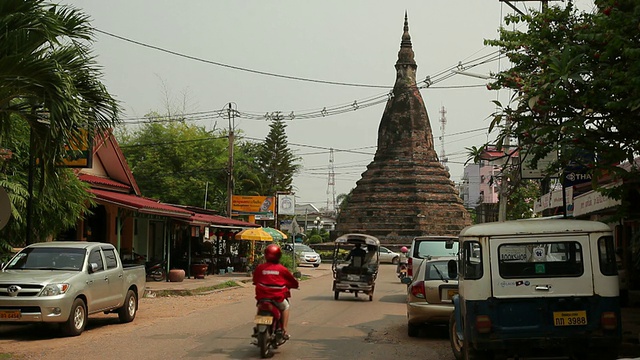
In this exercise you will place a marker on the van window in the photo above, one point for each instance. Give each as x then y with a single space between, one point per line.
531 260
607 256
435 249
472 260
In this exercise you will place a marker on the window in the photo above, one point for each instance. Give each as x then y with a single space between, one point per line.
607 256
436 248
96 258
472 260
110 256
540 259
438 271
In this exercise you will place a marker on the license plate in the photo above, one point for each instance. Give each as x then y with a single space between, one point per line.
263 320
451 292
352 277
10 314
570 318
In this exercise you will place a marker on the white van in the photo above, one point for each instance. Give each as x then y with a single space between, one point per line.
427 247
535 288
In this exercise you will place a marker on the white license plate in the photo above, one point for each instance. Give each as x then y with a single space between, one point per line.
570 318
447 294
10 314
263 320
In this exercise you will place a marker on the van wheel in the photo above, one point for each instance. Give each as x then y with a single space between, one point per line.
456 342
473 354
413 329
77 320
129 309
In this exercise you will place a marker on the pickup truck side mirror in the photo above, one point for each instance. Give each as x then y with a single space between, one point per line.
93 267
452 269
448 244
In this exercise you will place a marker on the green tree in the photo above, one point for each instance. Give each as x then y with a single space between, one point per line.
49 78
575 88
56 207
522 199
277 161
50 92
177 162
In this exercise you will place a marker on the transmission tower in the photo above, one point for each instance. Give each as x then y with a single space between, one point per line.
443 123
331 188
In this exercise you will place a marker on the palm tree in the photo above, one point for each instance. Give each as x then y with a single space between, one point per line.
49 78
50 82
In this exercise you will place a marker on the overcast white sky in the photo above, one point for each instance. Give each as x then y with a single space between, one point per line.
354 42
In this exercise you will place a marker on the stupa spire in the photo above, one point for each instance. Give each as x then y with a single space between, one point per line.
406 55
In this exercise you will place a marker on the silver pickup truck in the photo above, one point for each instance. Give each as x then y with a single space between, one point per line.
64 282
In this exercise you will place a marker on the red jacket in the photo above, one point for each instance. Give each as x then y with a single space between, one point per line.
273 281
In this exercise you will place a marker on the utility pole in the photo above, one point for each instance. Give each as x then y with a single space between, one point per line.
231 115
331 190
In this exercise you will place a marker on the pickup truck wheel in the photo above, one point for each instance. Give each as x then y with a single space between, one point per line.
456 342
129 309
77 320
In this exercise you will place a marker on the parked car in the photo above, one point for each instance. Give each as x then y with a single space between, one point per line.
388 256
64 282
305 255
423 247
429 294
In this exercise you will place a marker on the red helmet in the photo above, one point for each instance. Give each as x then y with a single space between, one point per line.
404 249
272 253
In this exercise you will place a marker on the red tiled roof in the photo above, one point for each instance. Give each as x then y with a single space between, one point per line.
207 219
92 179
141 204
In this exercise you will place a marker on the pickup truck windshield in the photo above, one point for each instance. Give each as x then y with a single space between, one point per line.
67 259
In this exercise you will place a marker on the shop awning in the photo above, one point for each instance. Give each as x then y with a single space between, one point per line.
220 221
140 204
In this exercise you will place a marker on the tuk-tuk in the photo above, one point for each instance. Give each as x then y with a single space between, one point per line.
357 271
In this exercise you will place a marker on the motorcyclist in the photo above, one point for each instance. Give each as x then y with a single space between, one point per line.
273 281
403 258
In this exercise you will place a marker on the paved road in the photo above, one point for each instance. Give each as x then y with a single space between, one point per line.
322 328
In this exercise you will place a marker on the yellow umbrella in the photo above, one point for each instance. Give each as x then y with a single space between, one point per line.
254 234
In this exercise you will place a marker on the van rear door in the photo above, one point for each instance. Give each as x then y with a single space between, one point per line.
543 286
547 266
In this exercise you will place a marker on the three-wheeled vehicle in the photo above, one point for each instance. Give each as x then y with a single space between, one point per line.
357 271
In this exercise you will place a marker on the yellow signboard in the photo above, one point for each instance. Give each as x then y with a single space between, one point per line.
263 207
79 154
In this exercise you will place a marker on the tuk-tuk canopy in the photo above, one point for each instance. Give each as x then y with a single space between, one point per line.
354 238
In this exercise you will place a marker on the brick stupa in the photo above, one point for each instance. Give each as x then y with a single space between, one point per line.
405 192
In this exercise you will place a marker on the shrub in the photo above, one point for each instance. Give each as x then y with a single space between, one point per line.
315 239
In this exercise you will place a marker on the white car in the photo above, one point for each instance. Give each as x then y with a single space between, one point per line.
305 255
388 256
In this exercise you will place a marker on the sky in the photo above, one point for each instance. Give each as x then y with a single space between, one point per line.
299 58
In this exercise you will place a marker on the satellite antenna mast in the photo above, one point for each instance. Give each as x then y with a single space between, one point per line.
331 188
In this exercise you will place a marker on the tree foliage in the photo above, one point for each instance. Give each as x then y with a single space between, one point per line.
49 78
176 162
575 80
50 90
277 161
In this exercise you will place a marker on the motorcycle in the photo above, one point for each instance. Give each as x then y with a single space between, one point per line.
268 327
156 270
402 271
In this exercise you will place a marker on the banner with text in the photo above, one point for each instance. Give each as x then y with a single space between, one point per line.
262 207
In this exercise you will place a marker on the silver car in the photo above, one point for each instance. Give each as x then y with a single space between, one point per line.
306 255
429 294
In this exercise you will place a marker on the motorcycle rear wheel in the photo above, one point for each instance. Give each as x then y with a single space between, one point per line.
158 275
263 344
